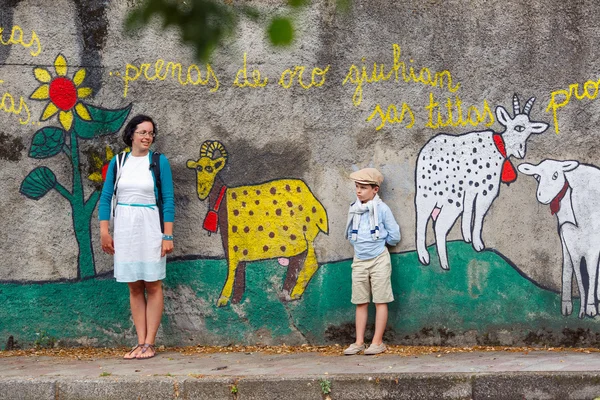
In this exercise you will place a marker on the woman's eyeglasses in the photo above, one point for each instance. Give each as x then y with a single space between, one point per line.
144 134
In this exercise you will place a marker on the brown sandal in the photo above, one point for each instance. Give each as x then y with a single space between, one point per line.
134 348
145 348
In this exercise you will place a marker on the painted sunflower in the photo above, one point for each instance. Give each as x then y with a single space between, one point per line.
64 93
99 165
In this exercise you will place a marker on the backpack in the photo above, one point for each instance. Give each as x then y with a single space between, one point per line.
154 167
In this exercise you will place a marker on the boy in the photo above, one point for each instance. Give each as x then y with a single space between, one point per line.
370 226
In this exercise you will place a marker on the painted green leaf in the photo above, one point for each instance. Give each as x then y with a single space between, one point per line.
281 31
39 182
103 122
47 142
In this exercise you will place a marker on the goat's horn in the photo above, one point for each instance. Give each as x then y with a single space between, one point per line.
209 147
528 106
218 146
516 105
204 149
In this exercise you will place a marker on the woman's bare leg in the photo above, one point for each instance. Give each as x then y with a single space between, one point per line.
154 310
137 301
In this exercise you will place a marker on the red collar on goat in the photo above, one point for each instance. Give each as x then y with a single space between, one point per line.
509 174
555 203
211 221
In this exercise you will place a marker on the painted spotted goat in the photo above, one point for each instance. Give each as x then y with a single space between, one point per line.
461 174
276 219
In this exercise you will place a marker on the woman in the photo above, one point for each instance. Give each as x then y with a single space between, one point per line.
139 246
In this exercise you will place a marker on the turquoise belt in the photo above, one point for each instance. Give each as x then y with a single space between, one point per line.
151 206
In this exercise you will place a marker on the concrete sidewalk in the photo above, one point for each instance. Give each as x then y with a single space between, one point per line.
474 375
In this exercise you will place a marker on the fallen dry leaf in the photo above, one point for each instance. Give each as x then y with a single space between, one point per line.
89 353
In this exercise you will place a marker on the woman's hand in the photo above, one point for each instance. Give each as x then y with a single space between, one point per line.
108 245
167 247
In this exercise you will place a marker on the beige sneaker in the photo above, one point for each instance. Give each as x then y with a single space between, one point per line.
354 349
375 349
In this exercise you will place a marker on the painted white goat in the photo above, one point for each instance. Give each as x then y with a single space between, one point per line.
573 192
461 174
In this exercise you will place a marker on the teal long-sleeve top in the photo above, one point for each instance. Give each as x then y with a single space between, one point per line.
166 179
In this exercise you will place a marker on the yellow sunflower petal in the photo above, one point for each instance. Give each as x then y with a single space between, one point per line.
82 112
97 161
49 111
109 153
79 77
60 65
66 119
95 177
42 75
41 93
83 92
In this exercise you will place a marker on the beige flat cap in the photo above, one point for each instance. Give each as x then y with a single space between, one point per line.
367 176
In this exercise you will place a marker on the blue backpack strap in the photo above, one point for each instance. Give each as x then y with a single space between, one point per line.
155 167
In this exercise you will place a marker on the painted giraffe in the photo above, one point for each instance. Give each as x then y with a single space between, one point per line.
275 219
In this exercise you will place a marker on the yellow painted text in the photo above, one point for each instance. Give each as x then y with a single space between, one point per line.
391 115
241 78
16 38
560 98
7 105
317 78
361 76
453 113
150 72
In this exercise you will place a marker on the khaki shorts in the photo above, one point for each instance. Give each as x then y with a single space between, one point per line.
372 276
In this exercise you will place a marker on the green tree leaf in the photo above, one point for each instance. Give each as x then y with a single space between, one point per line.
47 142
103 122
204 24
281 31
39 182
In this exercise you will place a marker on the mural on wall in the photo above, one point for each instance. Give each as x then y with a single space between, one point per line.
78 120
572 190
461 174
276 219
330 103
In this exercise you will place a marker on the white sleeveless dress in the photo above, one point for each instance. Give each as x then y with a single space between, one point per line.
137 234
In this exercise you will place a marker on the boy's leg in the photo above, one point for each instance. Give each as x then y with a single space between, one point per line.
381 316
361 295
381 272
362 313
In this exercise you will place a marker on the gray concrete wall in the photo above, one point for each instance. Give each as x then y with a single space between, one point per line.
319 133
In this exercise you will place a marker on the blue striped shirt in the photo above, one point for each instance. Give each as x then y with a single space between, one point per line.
365 247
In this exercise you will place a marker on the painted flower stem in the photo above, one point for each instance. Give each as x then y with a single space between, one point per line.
81 216
64 192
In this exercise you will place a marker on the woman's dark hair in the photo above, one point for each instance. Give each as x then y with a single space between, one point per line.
132 124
